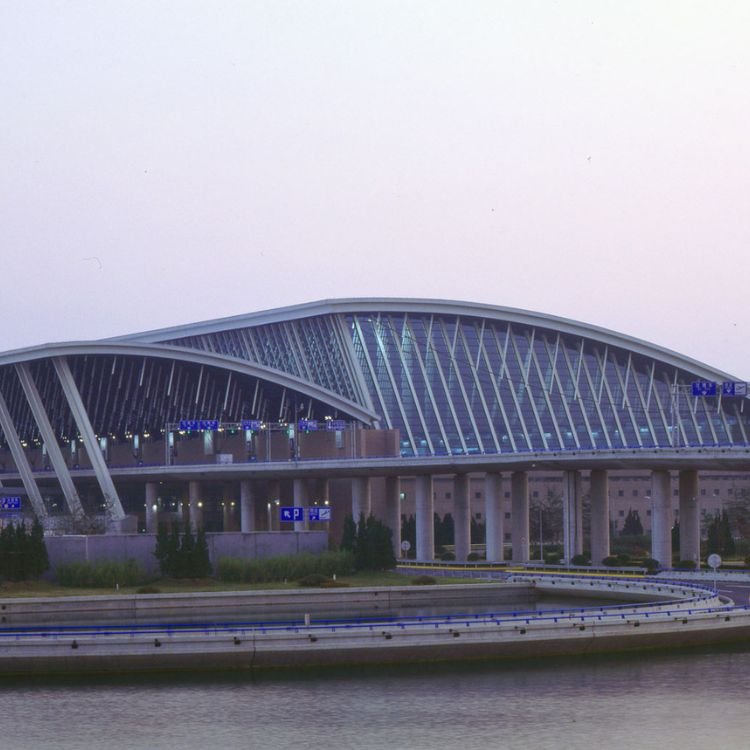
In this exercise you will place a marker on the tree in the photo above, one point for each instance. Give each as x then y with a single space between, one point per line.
409 530
632 525
201 561
349 534
162 549
23 555
39 557
719 534
373 549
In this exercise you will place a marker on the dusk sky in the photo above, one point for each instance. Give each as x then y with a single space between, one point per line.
175 161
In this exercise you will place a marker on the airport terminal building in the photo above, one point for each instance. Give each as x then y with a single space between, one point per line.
391 406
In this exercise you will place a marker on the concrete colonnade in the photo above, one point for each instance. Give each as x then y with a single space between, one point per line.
599 497
519 501
424 502
661 518
493 516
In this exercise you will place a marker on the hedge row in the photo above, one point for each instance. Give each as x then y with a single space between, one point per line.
287 568
100 575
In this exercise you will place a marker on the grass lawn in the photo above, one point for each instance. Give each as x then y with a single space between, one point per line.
186 586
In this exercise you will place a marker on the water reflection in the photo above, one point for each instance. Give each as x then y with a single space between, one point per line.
691 700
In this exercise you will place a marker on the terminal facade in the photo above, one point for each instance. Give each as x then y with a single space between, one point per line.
391 406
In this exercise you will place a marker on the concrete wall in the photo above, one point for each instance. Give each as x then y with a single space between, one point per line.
140 547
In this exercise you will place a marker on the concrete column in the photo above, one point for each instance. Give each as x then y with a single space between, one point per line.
195 506
227 512
572 515
690 521
361 498
393 511
519 495
599 516
493 516
425 510
661 518
462 516
301 500
247 506
152 514
273 493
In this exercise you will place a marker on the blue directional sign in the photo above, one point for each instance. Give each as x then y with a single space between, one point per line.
732 388
319 514
308 425
10 503
336 425
199 424
251 424
704 388
292 513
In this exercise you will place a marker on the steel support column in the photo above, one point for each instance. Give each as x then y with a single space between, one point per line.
99 465
50 440
22 462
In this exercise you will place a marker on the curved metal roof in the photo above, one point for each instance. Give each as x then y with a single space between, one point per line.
436 306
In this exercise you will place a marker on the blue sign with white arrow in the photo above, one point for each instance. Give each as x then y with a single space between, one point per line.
292 513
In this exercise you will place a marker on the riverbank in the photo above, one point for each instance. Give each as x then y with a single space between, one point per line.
676 616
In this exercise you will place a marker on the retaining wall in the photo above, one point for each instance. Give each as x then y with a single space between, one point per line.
140 547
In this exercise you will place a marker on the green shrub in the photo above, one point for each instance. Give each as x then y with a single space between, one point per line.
286 568
473 557
686 565
552 558
313 579
423 581
148 590
580 560
612 561
105 574
651 565
447 556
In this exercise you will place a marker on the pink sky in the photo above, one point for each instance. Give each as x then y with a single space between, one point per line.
166 162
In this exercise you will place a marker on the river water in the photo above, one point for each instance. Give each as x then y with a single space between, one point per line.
693 700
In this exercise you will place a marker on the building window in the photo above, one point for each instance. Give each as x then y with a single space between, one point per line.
447 495
635 493
507 516
535 493
479 516
478 495
648 512
507 494
507 537
620 493
621 513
